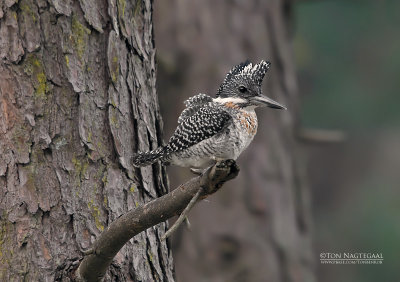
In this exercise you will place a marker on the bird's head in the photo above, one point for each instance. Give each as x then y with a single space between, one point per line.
242 86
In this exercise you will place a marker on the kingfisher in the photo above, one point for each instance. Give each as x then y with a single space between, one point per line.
214 129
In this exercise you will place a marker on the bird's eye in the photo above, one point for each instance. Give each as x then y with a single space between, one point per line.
242 88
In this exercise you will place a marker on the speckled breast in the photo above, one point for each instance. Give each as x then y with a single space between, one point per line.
248 121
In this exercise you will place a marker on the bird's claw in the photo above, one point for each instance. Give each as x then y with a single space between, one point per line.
226 163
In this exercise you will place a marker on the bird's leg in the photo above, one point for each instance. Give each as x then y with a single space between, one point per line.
197 171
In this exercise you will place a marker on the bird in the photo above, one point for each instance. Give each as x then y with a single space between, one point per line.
216 129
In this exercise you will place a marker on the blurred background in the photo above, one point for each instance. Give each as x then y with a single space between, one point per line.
347 56
323 177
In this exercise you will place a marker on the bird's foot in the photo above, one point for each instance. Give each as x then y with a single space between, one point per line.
223 171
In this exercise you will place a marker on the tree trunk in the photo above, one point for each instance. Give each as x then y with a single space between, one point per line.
77 99
258 228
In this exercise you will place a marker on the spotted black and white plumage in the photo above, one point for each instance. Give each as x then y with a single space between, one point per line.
211 129
194 104
201 125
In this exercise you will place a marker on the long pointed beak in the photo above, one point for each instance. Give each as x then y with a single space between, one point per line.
265 101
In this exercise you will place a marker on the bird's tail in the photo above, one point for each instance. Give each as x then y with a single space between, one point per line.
148 158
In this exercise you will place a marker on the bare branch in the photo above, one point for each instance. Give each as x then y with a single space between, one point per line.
320 135
182 216
95 264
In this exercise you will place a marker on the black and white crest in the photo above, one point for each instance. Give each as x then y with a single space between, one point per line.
244 73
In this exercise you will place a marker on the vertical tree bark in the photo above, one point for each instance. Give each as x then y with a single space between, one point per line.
258 229
77 99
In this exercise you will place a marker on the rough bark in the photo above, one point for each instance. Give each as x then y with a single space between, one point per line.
259 229
77 99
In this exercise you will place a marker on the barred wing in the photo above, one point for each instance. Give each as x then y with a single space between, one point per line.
203 124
